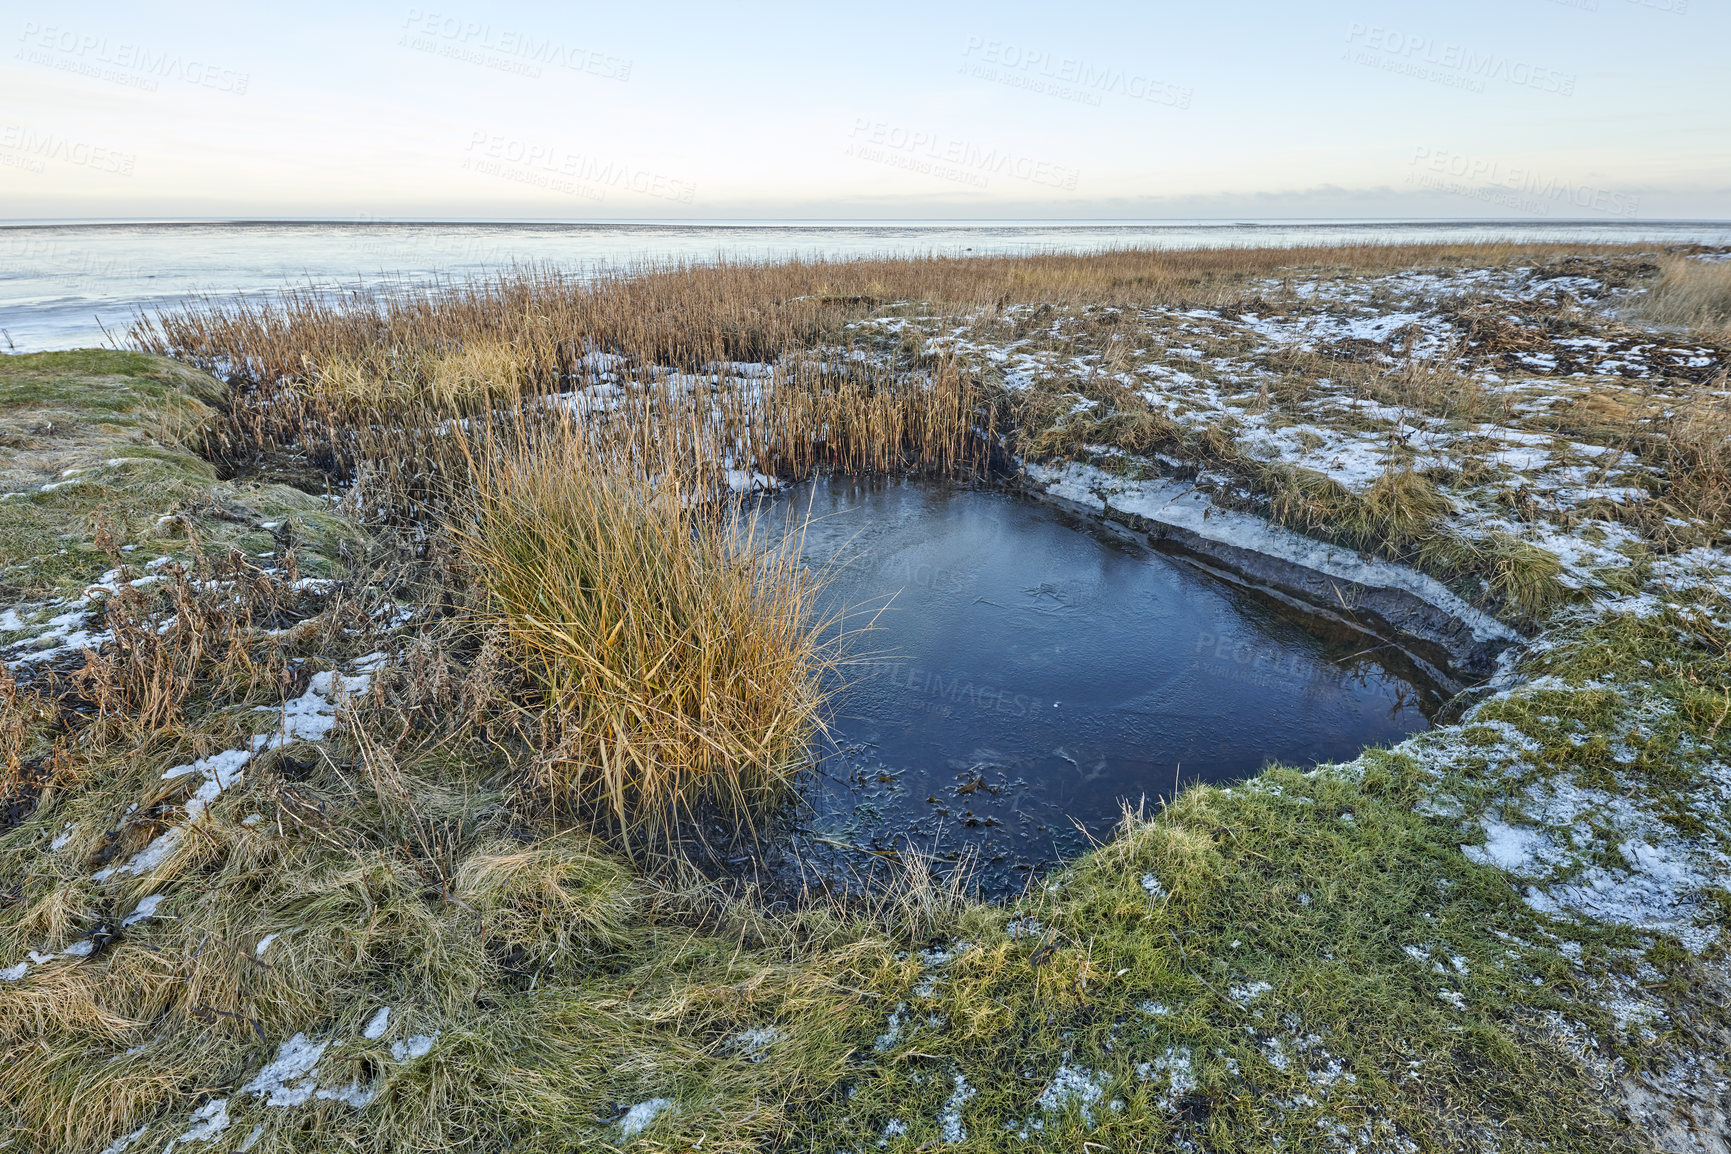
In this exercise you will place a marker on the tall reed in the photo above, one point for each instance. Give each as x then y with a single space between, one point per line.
676 652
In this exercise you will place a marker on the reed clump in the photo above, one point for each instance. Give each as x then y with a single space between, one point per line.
677 654
442 383
1693 294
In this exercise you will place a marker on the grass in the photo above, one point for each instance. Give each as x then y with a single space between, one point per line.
444 384
118 437
1306 961
1398 510
1523 576
1692 294
690 316
675 652
1694 447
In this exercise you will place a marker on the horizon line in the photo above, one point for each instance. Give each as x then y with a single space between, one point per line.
856 222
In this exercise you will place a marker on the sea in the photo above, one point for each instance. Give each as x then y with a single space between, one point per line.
81 285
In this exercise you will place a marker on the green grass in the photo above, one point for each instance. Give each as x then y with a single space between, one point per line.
561 985
129 426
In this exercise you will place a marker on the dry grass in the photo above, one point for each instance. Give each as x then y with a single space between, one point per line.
1693 294
1525 578
691 316
460 381
199 638
1398 510
675 651
1101 412
387 866
1695 449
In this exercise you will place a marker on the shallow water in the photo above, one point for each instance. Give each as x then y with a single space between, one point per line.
1025 676
67 285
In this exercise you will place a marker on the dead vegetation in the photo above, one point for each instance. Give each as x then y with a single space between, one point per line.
688 317
1693 294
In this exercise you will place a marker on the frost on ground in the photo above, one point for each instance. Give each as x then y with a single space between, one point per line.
1072 1086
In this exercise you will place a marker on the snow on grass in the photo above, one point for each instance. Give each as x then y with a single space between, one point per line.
309 717
287 1080
354 1095
119 1145
1174 1068
377 1024
638 1117
146 908
1652 878
753 1045
290 1079
950 1121
885 1041
414 1046
1074 1085
206 1123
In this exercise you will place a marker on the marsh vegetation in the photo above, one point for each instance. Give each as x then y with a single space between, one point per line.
367 656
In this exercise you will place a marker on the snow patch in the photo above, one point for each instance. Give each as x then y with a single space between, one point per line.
638 1118
377 1024
287 1080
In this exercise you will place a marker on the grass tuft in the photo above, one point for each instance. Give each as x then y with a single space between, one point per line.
1525 576
1397 510
676 654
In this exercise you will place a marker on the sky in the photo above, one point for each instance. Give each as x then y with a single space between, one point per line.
464 110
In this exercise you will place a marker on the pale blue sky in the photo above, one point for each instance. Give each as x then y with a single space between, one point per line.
1596 109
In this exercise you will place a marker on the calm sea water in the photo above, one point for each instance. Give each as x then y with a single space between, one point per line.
61 286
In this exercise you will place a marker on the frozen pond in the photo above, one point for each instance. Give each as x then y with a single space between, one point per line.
1026 675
